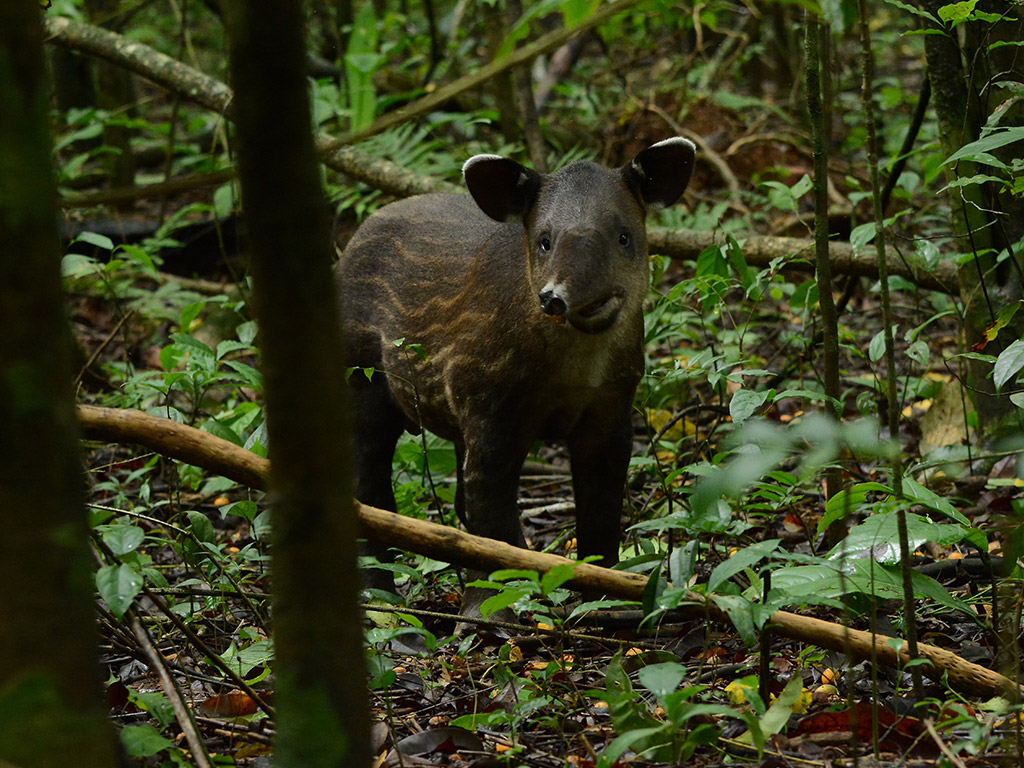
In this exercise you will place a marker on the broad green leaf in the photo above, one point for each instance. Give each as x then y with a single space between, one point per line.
76 265
201 526
97 241
1008 363
741 560
846 501
745 403
122 538
361 61
118 585
222 430
878 538
143 740
556 577
711 261
992 141
778 713
499 601
255 654
662 679
957 12
909 8
741 614
861 235
916 492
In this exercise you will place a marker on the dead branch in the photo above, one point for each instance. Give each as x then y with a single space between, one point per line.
208 92
193 446
797 254
390 178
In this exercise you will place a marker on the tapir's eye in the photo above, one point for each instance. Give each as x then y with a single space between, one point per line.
545 244
624 239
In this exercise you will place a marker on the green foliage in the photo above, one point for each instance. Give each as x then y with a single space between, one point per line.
675 737
361 61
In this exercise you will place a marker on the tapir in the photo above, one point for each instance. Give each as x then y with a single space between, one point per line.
503 317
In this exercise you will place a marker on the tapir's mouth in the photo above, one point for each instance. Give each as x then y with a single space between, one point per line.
597 316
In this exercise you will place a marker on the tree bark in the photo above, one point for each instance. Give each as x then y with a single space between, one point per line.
191 445
323 712
51 706
985 287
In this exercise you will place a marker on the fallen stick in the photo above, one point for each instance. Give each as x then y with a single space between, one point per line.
193 446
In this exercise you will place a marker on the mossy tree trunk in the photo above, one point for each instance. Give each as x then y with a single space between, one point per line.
51 706
321 684
985 219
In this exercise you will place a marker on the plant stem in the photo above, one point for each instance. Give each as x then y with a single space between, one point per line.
867 71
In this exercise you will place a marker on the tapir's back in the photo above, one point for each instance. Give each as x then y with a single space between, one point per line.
407 266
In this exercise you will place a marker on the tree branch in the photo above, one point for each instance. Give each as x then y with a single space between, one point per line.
194 446
390 178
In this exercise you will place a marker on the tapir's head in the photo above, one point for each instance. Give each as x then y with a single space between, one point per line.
584 226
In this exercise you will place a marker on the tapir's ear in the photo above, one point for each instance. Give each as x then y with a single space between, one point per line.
502 188
660 173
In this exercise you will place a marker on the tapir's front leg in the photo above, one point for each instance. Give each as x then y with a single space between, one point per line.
491 463
600 448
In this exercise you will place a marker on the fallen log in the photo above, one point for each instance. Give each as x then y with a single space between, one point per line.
193 446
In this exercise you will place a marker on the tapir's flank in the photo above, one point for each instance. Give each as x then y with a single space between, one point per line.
526 303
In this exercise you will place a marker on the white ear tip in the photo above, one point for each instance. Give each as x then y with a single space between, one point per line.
676 140
477 159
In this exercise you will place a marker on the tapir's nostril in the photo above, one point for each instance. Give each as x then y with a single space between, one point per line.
551 304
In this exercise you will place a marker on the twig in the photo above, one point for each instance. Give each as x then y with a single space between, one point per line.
181 711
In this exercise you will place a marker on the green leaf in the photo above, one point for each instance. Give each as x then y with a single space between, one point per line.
361 61
499 601
245 509
741 560
916 492
778 713
662 679
251 377
914 10
745 403
118 585
876 349
98 241
77 265
556 577
878 538
711 261
741 613
122 538
222 430
846 501
201 526
143 740
192 345
255 654
992 141
955 13
862 235
1008 363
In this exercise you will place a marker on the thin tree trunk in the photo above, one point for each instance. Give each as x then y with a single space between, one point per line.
323 715
823 265
51 707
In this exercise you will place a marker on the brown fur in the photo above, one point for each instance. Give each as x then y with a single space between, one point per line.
478 296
